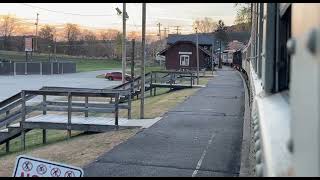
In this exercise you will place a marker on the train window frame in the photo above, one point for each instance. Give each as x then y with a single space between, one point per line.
282 65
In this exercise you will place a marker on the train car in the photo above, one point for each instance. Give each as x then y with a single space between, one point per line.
282 63
237 60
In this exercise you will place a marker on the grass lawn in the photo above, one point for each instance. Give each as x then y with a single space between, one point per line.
156 106
78 151
94 65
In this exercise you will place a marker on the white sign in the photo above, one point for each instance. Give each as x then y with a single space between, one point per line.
34 167
185 52
28 44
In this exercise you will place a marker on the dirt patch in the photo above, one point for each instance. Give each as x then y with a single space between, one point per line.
78 151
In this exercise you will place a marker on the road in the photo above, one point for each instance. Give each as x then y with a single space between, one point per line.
10 85
200 137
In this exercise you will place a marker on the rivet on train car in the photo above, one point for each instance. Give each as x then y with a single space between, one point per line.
256 135
257 145
258 157
259 170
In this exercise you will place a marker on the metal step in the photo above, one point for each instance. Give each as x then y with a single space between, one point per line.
4 130
16 125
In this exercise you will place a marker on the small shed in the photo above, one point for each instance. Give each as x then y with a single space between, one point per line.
182 55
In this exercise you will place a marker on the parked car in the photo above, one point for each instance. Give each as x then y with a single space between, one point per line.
116 76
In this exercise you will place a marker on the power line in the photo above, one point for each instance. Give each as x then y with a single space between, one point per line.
61 12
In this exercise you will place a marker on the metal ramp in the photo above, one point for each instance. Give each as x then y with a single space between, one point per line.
14 110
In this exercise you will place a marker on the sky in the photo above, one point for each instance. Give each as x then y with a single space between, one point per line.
104 15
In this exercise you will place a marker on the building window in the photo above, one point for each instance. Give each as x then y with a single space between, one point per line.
184 60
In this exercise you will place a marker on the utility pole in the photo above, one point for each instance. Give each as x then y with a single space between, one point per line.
212 62
165 32
132 59
36 42
197 46
159 31
124 55
132 67
177 29
143 59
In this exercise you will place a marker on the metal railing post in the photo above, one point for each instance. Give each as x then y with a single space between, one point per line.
44 105
129 104
150 86
155 81
44 136
191 77
116 109
86 114
23 118
69 114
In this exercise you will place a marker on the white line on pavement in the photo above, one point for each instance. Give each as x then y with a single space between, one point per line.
202 156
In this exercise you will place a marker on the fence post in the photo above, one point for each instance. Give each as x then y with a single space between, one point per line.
44 136
7 146
44 104
25 68
40 68
7 113
150 84
69 114
155 81
129 104
23 118
116 109
86 105
51 68
14 68
191 77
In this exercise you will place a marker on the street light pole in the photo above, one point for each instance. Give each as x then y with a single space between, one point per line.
143 60
212 63
124 43
36 41
197 46
220 63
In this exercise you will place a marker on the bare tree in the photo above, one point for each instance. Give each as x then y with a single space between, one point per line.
8 25
47 35
72 34
205 25
109 34
47 32
243 15
90 40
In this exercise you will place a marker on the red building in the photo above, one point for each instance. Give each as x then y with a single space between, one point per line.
183 55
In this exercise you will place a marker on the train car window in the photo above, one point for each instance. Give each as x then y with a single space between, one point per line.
283 62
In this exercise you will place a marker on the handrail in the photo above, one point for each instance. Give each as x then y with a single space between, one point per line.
129 82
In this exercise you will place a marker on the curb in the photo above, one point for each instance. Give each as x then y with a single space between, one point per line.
246 136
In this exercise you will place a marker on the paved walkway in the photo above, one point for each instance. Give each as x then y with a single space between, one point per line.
200 137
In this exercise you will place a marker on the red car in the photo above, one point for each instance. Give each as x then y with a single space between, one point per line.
116 76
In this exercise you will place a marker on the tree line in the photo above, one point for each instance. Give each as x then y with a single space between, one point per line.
75 40
71 39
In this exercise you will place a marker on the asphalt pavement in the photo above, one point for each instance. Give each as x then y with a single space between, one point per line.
201 136
11 85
